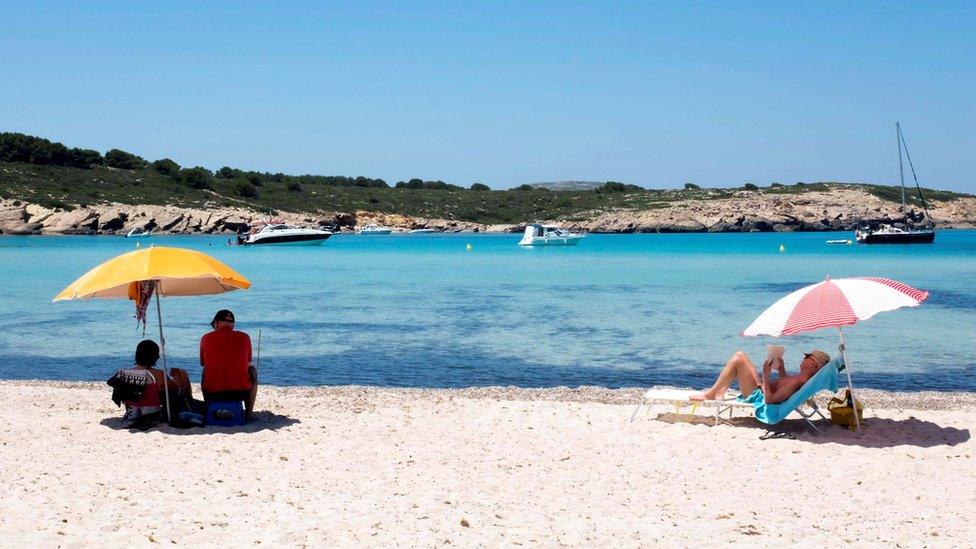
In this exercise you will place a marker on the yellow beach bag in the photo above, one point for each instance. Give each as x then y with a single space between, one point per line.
841 412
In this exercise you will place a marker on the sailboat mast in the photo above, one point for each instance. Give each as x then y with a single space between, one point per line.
901 169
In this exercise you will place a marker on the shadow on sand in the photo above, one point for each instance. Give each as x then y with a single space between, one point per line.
877 433
263 421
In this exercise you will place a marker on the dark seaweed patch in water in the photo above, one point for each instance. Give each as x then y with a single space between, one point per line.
339 326
951 300
773 287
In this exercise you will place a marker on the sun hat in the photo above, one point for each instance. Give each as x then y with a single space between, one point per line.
223 315
818 355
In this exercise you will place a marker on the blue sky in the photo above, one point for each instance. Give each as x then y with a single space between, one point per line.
655 94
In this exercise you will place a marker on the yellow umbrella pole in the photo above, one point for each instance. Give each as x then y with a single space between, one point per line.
162 347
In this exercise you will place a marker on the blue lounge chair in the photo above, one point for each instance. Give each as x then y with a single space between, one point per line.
802 400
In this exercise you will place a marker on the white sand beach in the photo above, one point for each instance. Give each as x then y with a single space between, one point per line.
368 466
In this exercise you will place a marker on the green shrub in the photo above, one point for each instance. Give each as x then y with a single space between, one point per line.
197 178
750 187
617 187
246 189
480 187
691 187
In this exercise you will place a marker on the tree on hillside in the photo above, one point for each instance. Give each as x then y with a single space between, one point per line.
117 158
18 147
83 158
525 187
197 178
480 187
438 185
750 187
227 173
166 166
617 187
691 187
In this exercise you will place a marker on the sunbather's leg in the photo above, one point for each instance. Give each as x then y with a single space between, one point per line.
740 368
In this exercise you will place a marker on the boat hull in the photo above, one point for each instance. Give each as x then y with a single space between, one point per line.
915 237
289 240
560 241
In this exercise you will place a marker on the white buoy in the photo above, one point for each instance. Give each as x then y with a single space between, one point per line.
782 248
468 247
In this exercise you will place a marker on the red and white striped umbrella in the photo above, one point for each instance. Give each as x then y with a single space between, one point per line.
834 303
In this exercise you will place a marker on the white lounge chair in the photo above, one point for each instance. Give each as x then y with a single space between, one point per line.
682 397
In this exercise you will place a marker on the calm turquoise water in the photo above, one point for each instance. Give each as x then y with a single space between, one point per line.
420 310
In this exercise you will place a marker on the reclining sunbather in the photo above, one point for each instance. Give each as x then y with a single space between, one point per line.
740 368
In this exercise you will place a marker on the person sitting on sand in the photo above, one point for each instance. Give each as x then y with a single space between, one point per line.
740 368
225 355
141 387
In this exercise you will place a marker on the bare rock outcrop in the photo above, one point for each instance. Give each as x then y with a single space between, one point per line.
838 208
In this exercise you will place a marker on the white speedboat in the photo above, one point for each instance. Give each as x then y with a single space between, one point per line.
548 235
373 228
138 233
281 233
422 231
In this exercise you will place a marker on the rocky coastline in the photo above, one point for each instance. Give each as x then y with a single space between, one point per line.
746 211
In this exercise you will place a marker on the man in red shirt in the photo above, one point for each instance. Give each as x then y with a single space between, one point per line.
225 355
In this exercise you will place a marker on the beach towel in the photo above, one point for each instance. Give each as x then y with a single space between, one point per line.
823 380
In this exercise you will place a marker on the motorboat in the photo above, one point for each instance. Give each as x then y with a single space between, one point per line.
840 241
373 228
537 234
422 231
280 233
906 232
138 233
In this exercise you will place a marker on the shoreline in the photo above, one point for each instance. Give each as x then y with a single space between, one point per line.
873 398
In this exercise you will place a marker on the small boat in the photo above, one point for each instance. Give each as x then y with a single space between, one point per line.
373 228
905 232
138 233
840 241
422 231
548 235
283 234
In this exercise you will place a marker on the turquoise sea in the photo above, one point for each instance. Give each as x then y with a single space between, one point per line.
423 311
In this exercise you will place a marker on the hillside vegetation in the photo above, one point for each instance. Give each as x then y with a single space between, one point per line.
52 175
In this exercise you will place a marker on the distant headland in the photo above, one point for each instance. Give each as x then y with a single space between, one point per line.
49 188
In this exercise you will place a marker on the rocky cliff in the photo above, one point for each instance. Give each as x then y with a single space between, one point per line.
835 209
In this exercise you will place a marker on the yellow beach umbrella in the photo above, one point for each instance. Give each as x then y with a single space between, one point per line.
177 271
173 272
